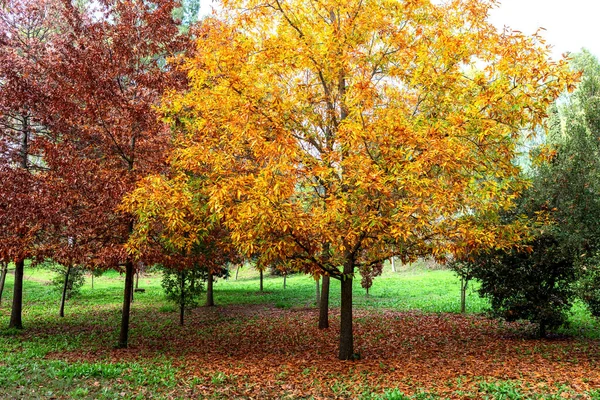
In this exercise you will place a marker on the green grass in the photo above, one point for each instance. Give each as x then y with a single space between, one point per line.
28 370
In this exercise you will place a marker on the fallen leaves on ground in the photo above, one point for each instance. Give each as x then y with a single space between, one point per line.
265 352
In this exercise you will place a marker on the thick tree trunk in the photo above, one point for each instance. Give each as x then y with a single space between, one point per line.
3 279
127 297
318 293
346 334
324 304
210 301
261 280
17 304
463 295
61 312
181 297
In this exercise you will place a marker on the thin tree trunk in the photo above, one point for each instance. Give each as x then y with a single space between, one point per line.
17 304
237 271
3 278
542 331
463 295
284 280
317 286
210 301
393 265
261 280
127 297
137 278
346 334
181 297
324 304
61 312
92 280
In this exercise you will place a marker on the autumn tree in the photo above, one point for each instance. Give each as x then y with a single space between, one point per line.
24 211
99 74
175 229
340 134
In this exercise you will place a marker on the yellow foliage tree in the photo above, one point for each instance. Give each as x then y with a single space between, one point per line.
337 134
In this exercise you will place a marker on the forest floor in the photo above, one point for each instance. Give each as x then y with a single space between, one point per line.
412 343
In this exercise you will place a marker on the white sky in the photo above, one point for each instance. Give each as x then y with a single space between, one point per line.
570 24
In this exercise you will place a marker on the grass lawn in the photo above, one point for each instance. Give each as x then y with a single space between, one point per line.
413 343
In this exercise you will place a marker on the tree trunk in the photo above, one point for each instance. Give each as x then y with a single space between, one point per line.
542 331
463 295
393 265
181 297
3 279
61 312
237 271
324 304
137 278
92 280
284 280
127 297
346 336
261 280
17 304
210 301
317 286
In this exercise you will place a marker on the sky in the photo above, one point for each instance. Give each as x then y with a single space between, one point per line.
569 24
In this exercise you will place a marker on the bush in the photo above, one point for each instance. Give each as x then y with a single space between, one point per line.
535 284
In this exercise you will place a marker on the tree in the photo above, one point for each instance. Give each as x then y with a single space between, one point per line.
340 134
23 209
182 287
68 281
100 75
3 273
173 228
569 184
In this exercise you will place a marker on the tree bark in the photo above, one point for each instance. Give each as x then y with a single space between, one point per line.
318 287
324 304
181 297
92 280
61 312
542 331
16 321
463 295
237 271
346 334
284 280
3 279
261 280
137 278
393 264
210 301
127 297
